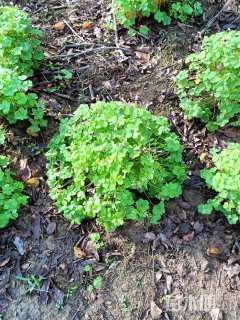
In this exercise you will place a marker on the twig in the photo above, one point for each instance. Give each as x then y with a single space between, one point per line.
88 51
115 24
73 31
212 20
61 95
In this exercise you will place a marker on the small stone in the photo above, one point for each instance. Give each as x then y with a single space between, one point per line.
184 228
50 243
155 311
198 227
51 228
148 237
158 276
19 244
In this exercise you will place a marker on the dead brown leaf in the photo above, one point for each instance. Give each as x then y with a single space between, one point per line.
33 182
87 25
58 26
143 57
4 262
78 252
214 251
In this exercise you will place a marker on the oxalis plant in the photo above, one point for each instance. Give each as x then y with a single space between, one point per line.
209 87
11 191
16 103
20 53
20 43
224 179
130 11
114 162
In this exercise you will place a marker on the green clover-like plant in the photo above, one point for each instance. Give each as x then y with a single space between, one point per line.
128 11
20 54
11 192
16 103
20 43
209 87
224 179
114 162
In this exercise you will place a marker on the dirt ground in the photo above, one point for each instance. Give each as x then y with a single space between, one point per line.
188 267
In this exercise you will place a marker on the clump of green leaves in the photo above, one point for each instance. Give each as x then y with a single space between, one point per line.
128 11
16 103
109 160
20 54
11 196
209 88
224 179
19 42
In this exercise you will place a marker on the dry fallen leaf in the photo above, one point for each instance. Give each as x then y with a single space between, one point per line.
78 252
58 26
142 57
214 251
87 25
155 311
33 182
24 170
4 262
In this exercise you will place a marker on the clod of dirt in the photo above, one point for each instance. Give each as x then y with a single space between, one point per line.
193 196
148 237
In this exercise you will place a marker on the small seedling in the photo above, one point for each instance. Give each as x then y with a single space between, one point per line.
33 283
96 239
63 74
71 291
88 268
96 284
125 304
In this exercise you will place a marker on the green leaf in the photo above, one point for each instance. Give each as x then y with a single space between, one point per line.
97 282
144 30
157 213
205 208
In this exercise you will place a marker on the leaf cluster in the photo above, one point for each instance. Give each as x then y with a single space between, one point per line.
224 179
11 197
113 162
20 43
128 11
209 87
20 53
